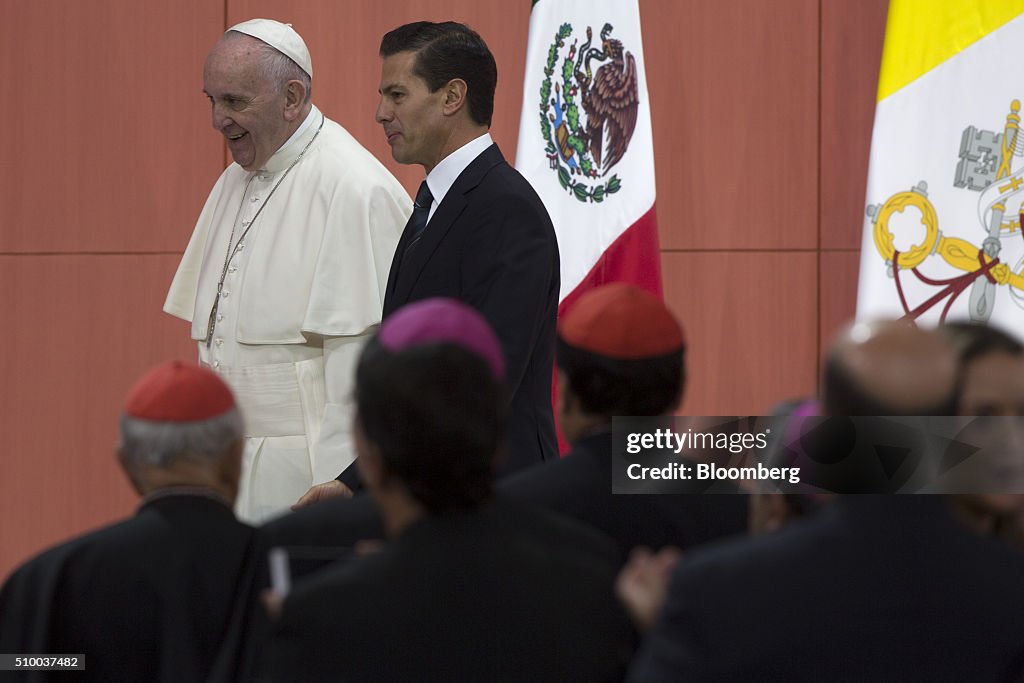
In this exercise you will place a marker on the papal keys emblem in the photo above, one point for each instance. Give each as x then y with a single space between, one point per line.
985 166
588 116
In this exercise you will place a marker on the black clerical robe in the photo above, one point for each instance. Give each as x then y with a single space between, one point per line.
580 486
509 593
870 588
147 599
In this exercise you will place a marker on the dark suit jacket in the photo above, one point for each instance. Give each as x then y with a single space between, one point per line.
580 486
871 588
509 593
339 522
490 244
336 523
147 599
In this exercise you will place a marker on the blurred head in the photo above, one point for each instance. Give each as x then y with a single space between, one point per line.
890 369
772 511
874 372
180 426
430 407
258 94
435 79
990 381
990 384
620 352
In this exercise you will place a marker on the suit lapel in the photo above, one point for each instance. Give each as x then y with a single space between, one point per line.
396 261
403 276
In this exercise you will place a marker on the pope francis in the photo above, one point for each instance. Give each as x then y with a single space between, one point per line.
284 276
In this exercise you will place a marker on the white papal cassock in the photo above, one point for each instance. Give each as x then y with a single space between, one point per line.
302 290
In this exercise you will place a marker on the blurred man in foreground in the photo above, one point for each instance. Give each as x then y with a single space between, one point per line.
868 588
467 588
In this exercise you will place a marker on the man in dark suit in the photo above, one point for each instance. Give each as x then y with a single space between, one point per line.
468 587
870 588
149 598
621 352
479 232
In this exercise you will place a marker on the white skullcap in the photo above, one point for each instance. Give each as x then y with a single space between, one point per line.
281 37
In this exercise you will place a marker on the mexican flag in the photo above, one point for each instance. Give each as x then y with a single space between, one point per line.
585 141
942 230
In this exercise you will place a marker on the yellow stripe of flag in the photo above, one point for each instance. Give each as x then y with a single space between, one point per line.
921 34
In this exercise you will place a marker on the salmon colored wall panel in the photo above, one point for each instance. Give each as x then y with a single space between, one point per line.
751 322
734 96
104 149
79 330
839 270
852 34
344 39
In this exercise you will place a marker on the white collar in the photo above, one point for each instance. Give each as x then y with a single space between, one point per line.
282 157
302 127
447 171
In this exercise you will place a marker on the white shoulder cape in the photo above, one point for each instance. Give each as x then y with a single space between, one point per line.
320 250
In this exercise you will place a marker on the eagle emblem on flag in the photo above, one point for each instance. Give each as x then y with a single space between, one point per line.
588 112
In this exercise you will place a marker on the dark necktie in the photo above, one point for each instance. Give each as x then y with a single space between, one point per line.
420 210
418 219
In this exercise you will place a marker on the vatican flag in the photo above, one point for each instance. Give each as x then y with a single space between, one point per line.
942 234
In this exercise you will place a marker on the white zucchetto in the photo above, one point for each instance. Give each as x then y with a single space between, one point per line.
281 37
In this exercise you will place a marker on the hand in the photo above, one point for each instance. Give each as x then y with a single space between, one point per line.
368 547
643 583
322 492
272 602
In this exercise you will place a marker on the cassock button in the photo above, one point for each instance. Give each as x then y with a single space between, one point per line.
220 342
224 294
254 200
216 363
232 269
241 246
220 317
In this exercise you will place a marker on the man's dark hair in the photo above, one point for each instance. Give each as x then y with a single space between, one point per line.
446 51
976 340
973 340
438 417
605 386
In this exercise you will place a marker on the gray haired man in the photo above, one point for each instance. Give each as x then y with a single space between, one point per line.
148 598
